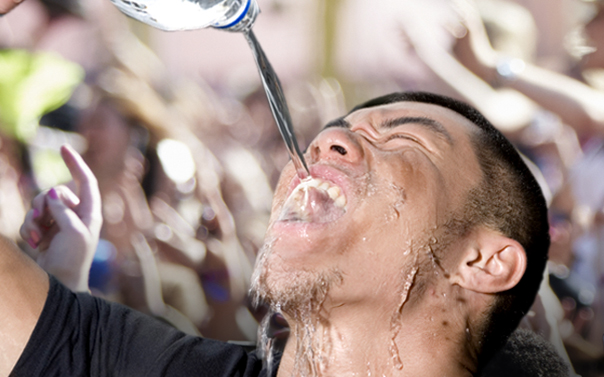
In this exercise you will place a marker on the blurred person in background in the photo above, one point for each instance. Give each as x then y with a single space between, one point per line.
574 98
169 231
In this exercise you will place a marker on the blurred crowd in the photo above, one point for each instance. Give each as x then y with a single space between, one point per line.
186 165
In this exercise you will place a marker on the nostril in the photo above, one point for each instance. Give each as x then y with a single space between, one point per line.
341 150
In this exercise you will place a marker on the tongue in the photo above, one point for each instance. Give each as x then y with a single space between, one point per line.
310 205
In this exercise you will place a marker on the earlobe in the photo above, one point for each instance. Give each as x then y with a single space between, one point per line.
492 262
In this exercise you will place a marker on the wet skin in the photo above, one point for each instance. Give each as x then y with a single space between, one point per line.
404 168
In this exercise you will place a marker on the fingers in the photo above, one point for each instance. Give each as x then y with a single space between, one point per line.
37 228
467 11
64 217
30 231
87 187
38 204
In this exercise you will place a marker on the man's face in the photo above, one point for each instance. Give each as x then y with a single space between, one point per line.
388 177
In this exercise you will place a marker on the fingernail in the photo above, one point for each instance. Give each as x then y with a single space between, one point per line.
32 243
53 193
34 236
36 213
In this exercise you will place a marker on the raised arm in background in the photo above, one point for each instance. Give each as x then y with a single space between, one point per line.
578 104
495 104
65 226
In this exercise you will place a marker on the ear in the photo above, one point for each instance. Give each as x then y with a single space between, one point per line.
491 262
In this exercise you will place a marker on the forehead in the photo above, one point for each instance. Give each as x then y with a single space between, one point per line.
439 120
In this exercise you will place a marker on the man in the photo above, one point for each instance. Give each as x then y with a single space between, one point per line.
414 250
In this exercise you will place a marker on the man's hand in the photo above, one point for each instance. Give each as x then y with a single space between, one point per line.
66 226
474 49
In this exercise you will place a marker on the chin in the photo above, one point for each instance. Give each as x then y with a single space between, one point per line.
287 287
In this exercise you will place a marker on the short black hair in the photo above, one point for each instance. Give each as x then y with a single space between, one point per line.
508 200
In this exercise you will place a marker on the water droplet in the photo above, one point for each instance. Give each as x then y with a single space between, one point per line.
265 344
396 322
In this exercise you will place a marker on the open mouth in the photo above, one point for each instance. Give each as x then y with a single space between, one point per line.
314 201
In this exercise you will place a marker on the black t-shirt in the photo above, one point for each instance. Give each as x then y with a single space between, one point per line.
83 335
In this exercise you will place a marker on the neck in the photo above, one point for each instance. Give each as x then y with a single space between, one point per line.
363 341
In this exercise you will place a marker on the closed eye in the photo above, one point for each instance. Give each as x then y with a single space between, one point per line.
402 136
405 138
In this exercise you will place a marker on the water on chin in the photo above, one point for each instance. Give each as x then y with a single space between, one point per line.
310 205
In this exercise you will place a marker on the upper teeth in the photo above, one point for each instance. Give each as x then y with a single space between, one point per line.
334 192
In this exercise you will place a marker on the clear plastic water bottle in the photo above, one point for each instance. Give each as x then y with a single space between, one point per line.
232 15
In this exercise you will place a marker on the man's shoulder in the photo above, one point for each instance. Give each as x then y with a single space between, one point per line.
526 354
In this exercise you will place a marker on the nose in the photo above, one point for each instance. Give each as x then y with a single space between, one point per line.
336 144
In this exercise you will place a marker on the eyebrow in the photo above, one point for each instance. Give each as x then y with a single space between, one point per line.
428 123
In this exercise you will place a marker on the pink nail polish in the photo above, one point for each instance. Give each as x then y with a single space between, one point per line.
53 193
36 213
32 243
34 236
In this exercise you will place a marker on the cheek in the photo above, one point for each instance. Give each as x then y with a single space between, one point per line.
413 188
400 207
